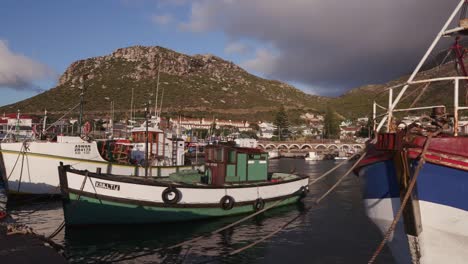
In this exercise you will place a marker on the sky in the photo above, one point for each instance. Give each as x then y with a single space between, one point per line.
322 47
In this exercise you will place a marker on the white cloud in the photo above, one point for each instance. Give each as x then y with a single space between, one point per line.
327 43
236 48
264 62
18 71
162 19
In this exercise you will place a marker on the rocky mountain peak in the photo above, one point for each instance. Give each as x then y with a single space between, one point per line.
143 62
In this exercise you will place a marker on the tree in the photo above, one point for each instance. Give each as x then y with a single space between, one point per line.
331 124
281 123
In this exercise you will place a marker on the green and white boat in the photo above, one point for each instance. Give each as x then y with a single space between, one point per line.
235 181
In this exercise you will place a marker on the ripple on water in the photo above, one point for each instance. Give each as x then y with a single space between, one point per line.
335 231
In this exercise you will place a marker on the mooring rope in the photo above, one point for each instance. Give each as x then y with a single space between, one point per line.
300 214
333 169
408 193
341 179
249 217
62 225
16 162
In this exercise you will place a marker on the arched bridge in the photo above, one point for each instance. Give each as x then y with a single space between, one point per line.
320 146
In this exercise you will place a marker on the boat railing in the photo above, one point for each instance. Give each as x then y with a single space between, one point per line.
387 116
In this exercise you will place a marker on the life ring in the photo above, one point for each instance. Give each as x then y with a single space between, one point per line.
303 191
227 202
171 195
259 204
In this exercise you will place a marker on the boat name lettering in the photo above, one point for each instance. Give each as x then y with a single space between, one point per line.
108 186
82 149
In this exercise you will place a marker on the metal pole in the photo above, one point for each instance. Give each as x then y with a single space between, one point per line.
196 153
44 123
146 142
390 113
374 115
423 60
455 110
80 120
157 91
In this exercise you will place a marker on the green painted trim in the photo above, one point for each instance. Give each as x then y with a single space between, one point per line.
89 211
76 193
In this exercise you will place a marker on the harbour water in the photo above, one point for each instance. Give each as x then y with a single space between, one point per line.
335 231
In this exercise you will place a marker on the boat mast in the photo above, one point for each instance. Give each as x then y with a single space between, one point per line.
44 123
131 105
80 119
146 141
17 123
160 105
157 91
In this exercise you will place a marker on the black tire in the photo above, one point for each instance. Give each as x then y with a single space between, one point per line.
259 204
171 195
227 202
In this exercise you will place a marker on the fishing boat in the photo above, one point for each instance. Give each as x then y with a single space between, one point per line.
421 169
313 156
235 181
30 166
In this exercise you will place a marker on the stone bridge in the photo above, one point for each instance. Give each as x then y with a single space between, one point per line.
319 146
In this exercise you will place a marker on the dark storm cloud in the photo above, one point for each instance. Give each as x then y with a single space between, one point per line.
332 45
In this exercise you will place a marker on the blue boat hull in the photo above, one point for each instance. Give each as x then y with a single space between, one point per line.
442 194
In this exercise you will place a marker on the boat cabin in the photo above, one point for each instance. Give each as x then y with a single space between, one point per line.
229 164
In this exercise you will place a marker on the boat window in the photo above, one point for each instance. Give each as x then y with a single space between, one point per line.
219 155
232 156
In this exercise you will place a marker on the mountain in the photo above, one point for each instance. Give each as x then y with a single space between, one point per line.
358 102
193 85
206 85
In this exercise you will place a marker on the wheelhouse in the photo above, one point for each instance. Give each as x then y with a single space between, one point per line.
228 164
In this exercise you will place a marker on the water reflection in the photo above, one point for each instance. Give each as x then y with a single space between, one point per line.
335 231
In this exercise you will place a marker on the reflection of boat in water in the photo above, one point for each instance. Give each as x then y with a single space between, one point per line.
235 182
423 166
273 154
137 242
312 155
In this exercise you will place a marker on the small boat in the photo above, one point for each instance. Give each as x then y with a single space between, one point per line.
273 154
312 155
423 166
235 181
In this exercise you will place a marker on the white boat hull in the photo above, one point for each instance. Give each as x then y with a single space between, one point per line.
33 170
91 198
444 236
